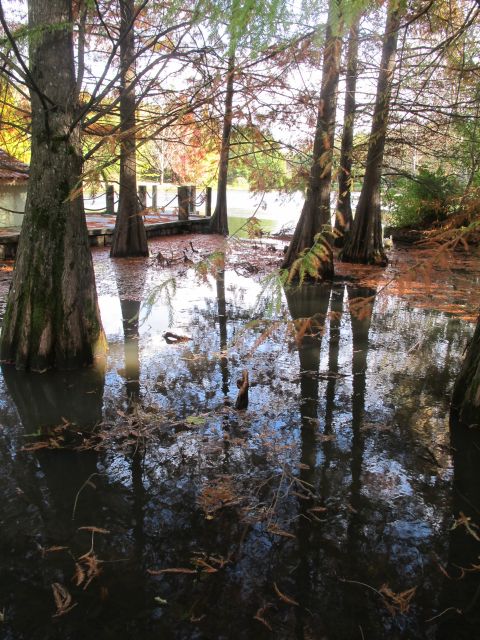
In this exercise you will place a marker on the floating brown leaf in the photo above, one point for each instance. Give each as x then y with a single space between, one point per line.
63 600
284 597
94 529
87 568
397 602
280 532
79 575
260 616
157 572
206 568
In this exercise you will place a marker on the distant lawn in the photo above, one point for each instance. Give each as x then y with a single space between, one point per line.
238 226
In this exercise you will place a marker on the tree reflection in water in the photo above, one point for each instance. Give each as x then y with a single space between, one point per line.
308 306
222 326
460 601
349 501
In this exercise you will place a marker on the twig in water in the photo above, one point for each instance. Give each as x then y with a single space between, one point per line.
87 482
439 615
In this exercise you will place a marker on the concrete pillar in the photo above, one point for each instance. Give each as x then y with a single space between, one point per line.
183 202
154 196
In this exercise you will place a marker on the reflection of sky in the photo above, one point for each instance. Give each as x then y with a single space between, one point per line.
386 503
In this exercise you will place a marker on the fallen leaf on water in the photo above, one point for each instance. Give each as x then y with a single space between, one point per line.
87 568
206 568
284 597
63 600
79 575
260 616
94 529
302 496
397 602
280 532
194 618
466 521
160 600
54 549
157 572
36 446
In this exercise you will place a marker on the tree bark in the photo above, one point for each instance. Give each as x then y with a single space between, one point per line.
343 216
219 220
52 317
316 209
466 392
129 238
364 243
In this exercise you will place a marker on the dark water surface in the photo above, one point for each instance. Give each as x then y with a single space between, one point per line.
303 517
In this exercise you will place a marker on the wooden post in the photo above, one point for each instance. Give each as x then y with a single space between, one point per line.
142 196
192 200
183 202
110 197
154 196
208 202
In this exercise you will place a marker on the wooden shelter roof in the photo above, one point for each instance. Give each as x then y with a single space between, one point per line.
11 169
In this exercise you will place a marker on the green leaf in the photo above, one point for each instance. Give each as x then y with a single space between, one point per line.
195 420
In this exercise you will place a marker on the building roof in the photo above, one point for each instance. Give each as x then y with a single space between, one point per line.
11 169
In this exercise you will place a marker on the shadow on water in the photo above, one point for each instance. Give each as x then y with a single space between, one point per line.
62 407
285 520
461 595
57 490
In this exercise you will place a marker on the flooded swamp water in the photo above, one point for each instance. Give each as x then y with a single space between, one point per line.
137 502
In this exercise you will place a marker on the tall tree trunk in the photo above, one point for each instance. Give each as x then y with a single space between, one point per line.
129 238
364 243
466 392
316 209
219 220
52 317
343 218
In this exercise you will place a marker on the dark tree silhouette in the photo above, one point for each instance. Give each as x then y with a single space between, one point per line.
129 238
219 221
316 209
466 392
364 243
343 214
52 317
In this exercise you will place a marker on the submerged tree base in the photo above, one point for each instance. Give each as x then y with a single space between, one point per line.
378 259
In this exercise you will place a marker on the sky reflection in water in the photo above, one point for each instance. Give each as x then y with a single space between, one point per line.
291 515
